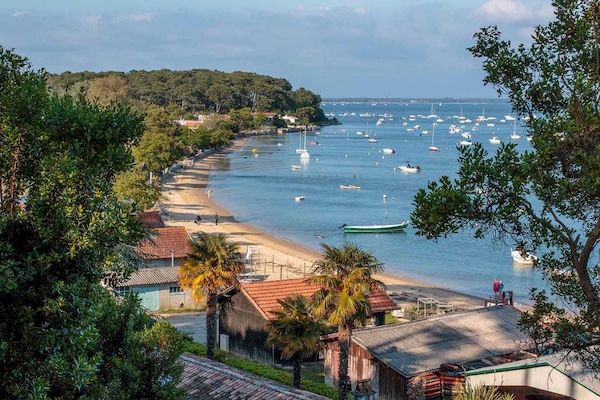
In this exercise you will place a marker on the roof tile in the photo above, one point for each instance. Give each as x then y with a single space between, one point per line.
265 294
172 238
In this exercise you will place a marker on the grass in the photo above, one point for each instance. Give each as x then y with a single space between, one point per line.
312 379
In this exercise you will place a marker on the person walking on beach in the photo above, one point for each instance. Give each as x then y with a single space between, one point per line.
217 219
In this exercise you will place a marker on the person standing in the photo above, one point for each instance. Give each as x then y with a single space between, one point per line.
217 219
496 288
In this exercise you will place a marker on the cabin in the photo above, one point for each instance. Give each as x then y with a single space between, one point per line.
158 284
429 354
554 377
290 120
242 324
206 379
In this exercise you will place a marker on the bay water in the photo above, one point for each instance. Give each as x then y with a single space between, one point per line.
258 185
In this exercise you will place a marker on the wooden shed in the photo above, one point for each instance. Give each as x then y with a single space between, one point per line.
394 357
243 326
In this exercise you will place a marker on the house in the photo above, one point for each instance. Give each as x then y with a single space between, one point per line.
242 325
290 120
270 116
547 377
210 380
158 285
429 352
150 219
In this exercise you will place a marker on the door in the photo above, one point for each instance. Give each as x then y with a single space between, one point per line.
149 297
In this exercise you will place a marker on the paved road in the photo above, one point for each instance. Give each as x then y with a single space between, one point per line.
193 324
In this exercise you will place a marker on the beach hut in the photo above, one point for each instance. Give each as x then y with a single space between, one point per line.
158 284
431 353
242 326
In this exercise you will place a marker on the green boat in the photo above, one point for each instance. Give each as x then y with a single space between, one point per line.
391 228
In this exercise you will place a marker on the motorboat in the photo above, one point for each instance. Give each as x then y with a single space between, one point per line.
495 140
410 168
465 143
299 198
349 187
296 167
523 258
388 228
387 150
372 140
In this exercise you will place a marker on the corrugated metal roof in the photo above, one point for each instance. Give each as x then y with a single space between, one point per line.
209 380
152 276
265 294
420 346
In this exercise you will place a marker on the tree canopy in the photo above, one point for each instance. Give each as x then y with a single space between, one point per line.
193 91
61 226
546 200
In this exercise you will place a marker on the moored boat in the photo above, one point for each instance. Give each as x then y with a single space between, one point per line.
387 150
389 228
350 187
524 259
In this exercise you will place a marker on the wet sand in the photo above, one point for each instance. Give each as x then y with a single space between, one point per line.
185 196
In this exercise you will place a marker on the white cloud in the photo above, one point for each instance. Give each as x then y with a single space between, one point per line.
20 13
515 11
145 17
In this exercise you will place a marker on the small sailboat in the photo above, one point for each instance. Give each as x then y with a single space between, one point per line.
385 228
432 147
515 135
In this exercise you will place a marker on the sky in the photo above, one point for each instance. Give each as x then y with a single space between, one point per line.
336 48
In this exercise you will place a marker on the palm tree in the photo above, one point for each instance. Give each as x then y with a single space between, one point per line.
296 332
346 278
470 392
211 266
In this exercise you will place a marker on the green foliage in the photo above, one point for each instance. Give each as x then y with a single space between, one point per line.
132 186
108 89
345 275
212 265
265 371
140 357
194 91
296 332
470 392
158 151
61 155
547 199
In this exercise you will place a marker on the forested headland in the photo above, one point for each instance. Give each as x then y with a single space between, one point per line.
187 93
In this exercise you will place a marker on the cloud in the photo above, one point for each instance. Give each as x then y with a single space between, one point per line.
20 13
144 17
515 11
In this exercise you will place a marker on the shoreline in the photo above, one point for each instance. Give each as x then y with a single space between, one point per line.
267 256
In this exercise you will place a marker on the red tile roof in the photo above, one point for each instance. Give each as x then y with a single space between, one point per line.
150 219
193 124
210 380
172 238
265 294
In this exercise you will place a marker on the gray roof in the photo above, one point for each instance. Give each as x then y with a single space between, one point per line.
152 276
209 380
420 346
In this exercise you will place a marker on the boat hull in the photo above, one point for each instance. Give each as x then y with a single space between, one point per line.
391 228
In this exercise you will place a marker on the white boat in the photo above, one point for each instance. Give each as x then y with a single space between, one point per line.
495 140
372 140
524 259
360 133
302 148
491 124
465 143
349 187
305 155
387 150
296 167
409 168
432 147
299 198
515 135
466 135
509 118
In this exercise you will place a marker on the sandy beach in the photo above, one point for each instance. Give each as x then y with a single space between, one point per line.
185 196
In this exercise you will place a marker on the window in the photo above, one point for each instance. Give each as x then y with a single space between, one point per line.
121 291
175 290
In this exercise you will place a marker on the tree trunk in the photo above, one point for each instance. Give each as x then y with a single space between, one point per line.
211 325
297 370
344 343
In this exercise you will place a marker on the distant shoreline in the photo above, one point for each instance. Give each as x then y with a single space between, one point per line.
413 100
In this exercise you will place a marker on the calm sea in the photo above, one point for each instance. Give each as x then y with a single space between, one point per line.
258 185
